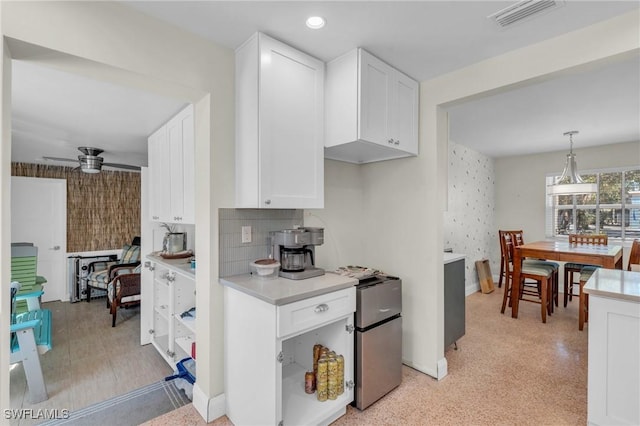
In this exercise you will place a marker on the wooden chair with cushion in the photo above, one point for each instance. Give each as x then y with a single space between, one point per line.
540 292
518 239
575 268
587 271
101 273
634 257
123 291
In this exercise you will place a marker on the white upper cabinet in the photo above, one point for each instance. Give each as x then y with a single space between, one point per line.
371 110
160 179
182 150
279 126
171 170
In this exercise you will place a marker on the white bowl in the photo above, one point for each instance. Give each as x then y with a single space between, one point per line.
265 268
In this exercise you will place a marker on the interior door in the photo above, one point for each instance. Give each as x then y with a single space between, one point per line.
39 216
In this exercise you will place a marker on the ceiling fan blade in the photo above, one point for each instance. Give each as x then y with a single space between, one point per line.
60 159
122 166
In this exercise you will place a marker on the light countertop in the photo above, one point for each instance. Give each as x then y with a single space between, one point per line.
614 284
181 266
281 291
452 257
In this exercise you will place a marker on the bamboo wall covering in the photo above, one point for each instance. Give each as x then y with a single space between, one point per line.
103 209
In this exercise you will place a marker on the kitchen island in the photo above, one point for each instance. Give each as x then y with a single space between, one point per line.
271 327
614 347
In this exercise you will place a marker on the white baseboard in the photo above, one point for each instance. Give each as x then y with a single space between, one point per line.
442 368
209 409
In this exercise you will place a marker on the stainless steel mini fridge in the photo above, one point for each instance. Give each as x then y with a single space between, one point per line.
378 342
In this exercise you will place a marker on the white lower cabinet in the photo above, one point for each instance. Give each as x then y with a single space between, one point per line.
173 294
613 367
265 373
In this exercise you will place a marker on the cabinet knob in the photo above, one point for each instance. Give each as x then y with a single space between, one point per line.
321 308
396 142
267 202
390 141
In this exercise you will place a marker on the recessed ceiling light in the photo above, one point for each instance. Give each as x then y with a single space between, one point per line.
315 22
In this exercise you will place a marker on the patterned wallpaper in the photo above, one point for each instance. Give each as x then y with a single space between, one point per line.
469 226
103 209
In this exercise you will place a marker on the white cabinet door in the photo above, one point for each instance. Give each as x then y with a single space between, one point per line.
181 149
159 185
277 396
173 293
613 368
371 110
404 113
160 334
171 170
279 147
375 99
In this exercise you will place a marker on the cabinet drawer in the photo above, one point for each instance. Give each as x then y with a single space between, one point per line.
310 313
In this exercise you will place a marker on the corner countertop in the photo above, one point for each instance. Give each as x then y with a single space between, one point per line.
281 291
452 257
181 266
614 284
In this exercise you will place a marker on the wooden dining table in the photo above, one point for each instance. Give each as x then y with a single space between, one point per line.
608 256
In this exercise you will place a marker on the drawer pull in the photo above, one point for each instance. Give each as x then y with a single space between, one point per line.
321 308
384 310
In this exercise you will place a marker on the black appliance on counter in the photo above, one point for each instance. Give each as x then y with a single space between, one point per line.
378 340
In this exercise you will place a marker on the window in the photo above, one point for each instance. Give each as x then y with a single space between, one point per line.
614 210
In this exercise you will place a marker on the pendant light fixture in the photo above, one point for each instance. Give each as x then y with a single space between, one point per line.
575 185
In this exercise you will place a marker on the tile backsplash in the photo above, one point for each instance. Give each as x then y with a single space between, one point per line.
235 255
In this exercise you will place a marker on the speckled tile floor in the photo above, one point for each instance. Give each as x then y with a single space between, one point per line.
505 372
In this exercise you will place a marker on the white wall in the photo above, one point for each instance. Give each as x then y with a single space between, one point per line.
411 240
521 191
341 218
110 41
469 225
5 216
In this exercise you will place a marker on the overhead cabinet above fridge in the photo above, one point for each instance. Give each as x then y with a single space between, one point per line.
371 110
279 126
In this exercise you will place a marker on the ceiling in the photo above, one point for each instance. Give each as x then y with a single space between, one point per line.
55 112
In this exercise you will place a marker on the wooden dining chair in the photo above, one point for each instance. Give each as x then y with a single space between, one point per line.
518 239
575 268
540 292
634 256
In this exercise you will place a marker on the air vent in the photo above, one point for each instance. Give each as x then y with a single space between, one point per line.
523 10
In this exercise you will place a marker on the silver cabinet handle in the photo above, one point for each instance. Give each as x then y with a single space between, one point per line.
396 142
55 248
390 141
321 308
267 202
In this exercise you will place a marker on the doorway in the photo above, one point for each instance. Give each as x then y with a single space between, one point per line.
39 216
90 361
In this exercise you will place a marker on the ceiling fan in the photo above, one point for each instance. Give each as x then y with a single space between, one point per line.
91 162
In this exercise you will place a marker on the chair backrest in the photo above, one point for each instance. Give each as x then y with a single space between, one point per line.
506 248
634 256
517 237
15 288
24 264
130 254
595 239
